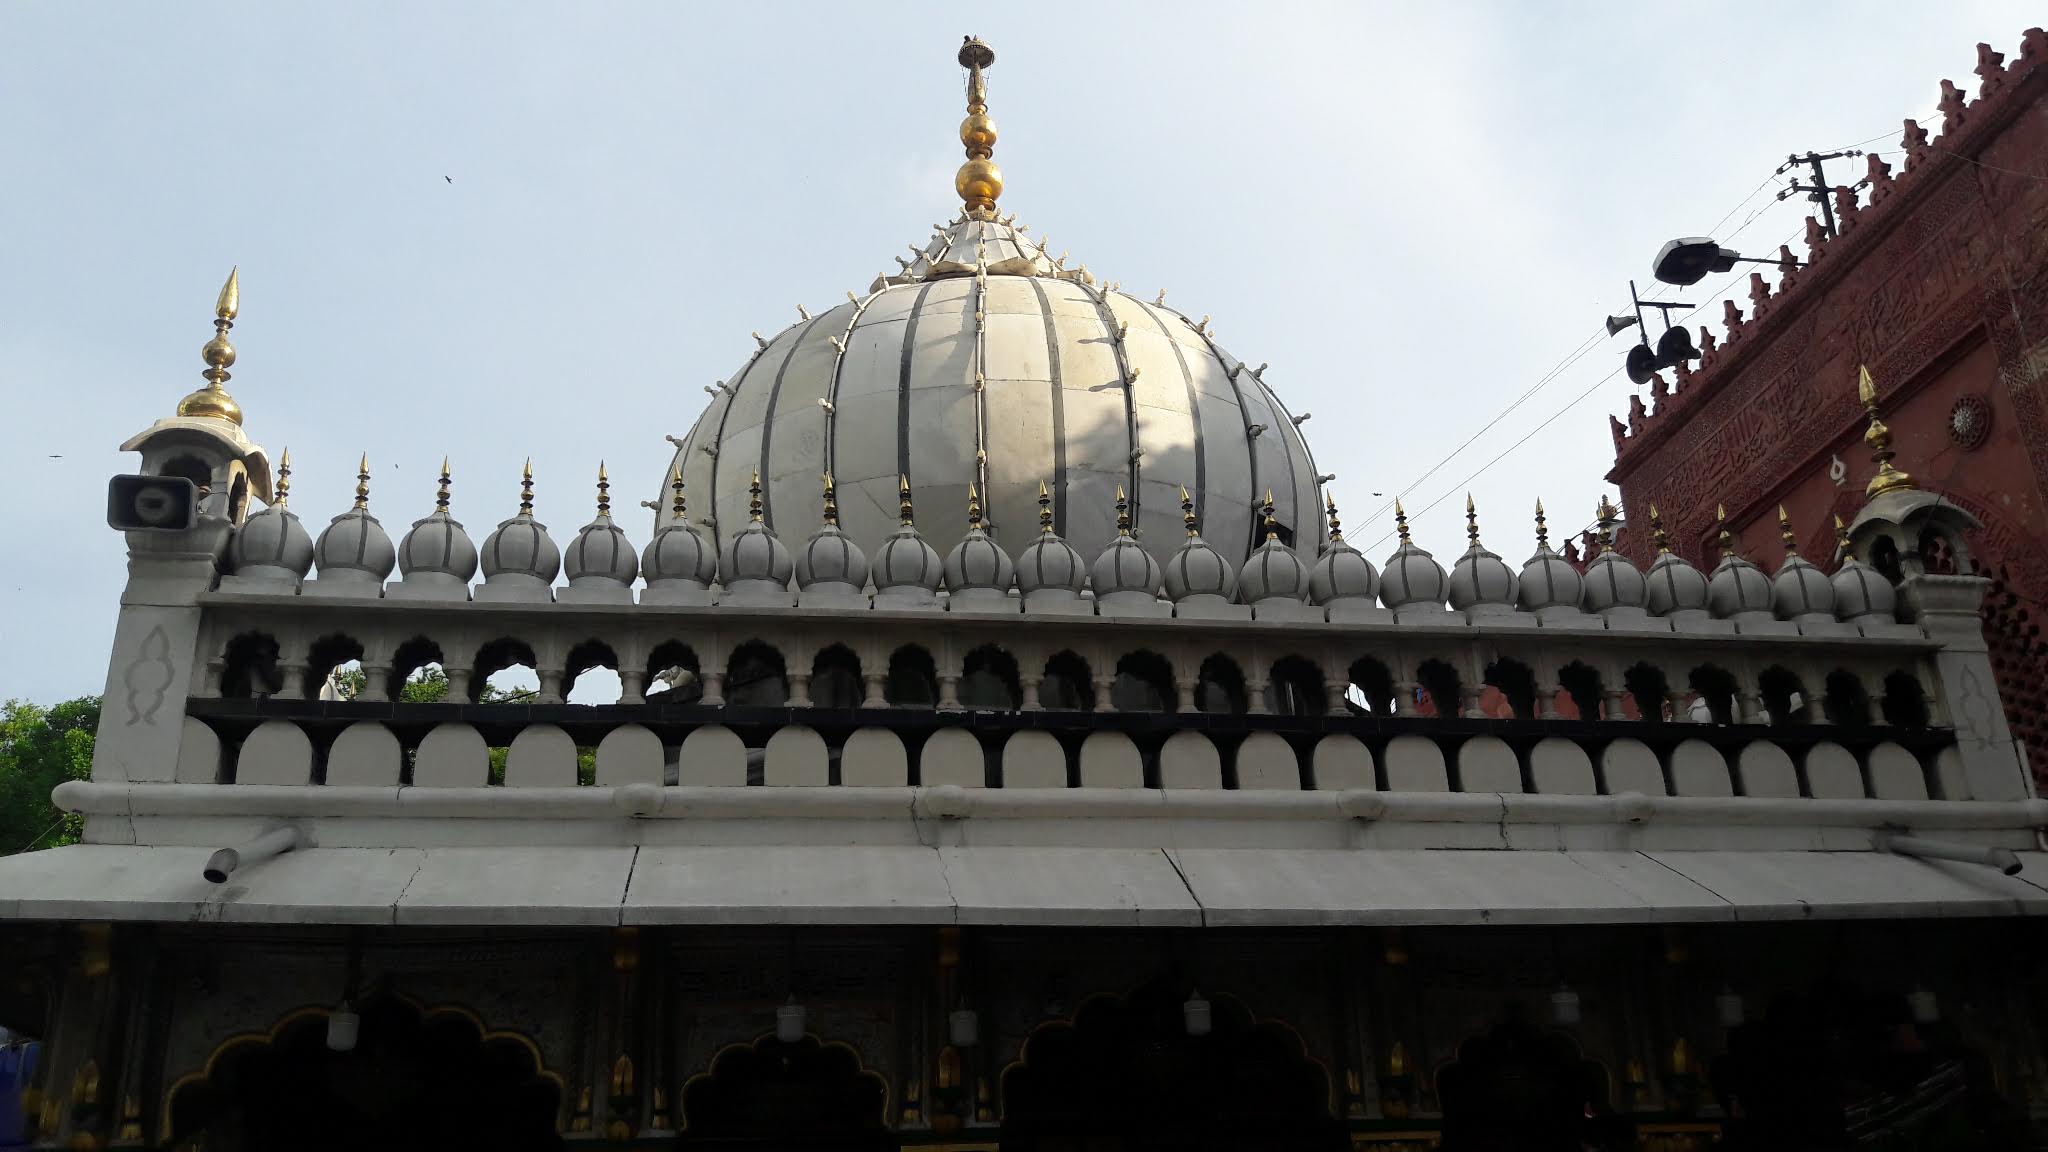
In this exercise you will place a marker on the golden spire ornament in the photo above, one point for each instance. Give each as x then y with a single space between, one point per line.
604 492
526 489
1879 437
1472 522
1657 533
1271 525
1727 542
1786 534
1841 541
754 498
1336 525
1044 510
1606 514
1542 529
831 501
1123 512
1401 522
675 484
284 480
903 512
363 484
973 509
1187 513
979 182
213 400
441 495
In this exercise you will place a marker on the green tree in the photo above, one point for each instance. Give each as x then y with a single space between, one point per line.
41 748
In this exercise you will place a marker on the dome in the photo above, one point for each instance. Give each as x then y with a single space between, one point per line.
1197 569
519 551
1614 583
977 562
1736 587
829 557
273 544
679 554
1341 572
1272 571
1674 585
437 550
1124 568
1023 371
1548 580
354 545
1860 590
1798 588
1048 567
601 551
754 557
1411 576
907 568
1480 580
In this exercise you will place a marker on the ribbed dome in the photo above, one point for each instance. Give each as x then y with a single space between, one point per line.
1799 589
1198 569
978 562
601 552
1862 591
354 546
520 549
679 555
437 551
754 555
1082 386
1736 587
1050 565
1342 573
1411 575
1613 583
271 544
831 557
906 568
1675 585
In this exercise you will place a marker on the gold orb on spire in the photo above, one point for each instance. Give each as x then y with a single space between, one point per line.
213 400
1879 437
979 182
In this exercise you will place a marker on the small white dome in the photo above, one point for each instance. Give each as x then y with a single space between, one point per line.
905 561
1862 591
354 546
1050 564
1549 581
437 550
1412 576
1737 586
754 554
1799 589
521 551
978 562
1614 582
679 554
1342 573
1480 579
271 544
1198 570
601 552
831 557
1675 586
1125 566
1273 572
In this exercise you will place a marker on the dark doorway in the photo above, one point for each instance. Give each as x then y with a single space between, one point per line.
769 1095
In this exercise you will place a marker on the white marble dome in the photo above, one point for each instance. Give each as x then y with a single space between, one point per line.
978 562
353 546
1124 565
1050 566
601 552
1082 386
1675 585
1799 589
754 555
1737 587
830 557
1198 569
679 552
1482 580
905 561
521 550
272 544
1862 591
1412 576
1614 582
1549 581
437 549
1342 573
1273 572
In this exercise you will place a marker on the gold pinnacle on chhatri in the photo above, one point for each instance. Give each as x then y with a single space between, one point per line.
675 484
754 498
1879 437
604 491
1542 529
526 489
363 484
979 182
1271 525
1336 525
284 479
441 496
1401 522
1786 534
973 509
1044 509
1606 514
1721 518
1472 522
831 501
1123 512
1841 540
903 512
213 400
1657 534
1187 513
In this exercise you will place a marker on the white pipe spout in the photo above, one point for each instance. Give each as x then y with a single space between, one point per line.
275 842
2003 859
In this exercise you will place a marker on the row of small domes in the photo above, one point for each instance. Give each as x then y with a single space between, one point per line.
437 549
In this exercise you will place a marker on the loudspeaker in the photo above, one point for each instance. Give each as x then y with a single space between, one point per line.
152 503
1619 322
1642 364
1674 347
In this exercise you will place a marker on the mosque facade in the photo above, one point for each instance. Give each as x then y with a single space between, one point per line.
1012 753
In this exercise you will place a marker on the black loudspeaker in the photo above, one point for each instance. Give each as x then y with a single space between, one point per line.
152 503
1642 363
1675 347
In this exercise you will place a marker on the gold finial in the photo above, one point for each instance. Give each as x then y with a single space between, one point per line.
526 489
979 182
1657 534
1401 522
1841 541
441 496
1879 437
1044 509
1336 525
675 483
973 509
1721 518
1606 515
1123 512
903 511
1542 529
1187 513
213 400
1786 534
363 484
831 501
754 498
284 479
1471 522
1271 525
604 491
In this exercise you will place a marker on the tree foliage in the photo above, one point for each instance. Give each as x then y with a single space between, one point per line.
41 748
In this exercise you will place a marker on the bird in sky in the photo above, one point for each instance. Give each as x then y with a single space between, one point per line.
449 179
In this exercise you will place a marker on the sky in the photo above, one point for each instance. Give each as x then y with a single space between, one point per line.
500 230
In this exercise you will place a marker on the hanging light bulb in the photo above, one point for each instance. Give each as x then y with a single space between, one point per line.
791 1021
1728 1008
1564 1005
963 1027
1196 1015
1925 1007
342 1027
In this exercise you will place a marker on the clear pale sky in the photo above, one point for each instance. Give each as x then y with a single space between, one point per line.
1413 211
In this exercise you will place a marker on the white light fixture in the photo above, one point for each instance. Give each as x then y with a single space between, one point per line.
963 1026
1728 1008
791 1021
1564 1005
1926 1009
342 1027
1196 1015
